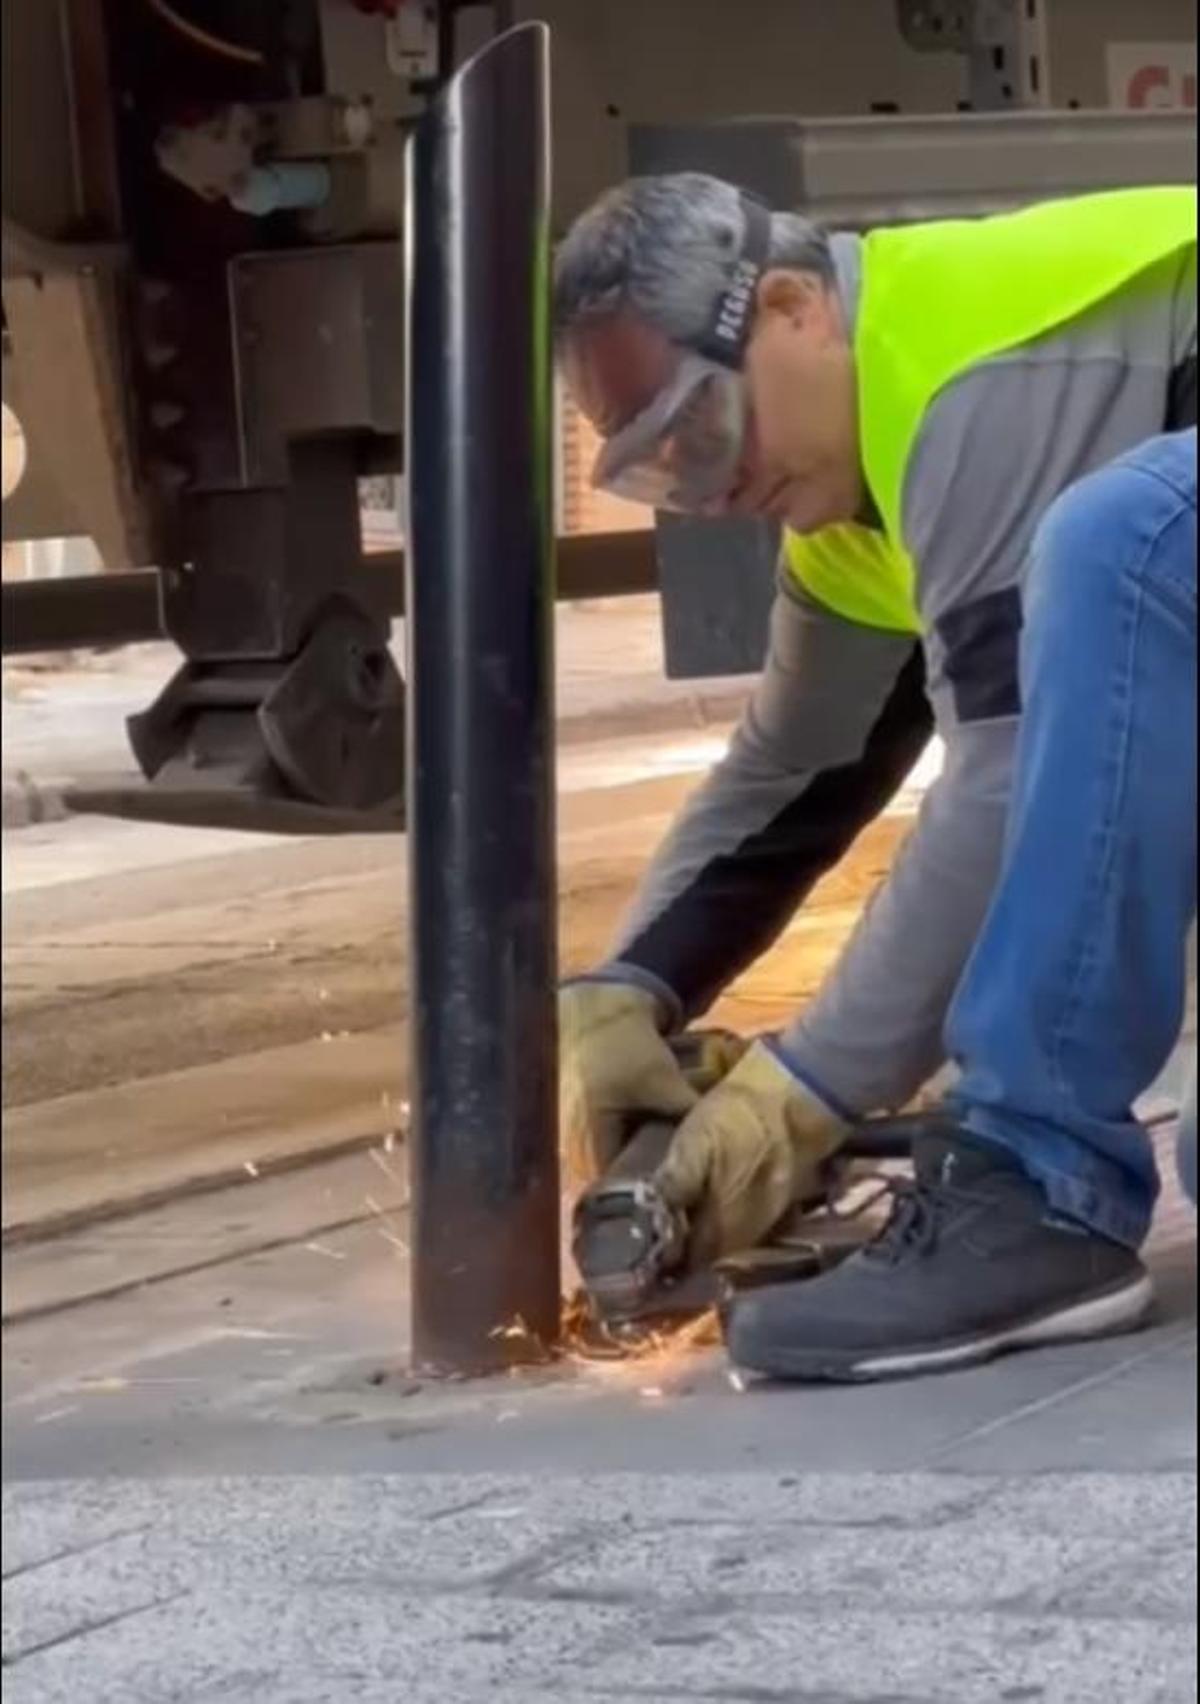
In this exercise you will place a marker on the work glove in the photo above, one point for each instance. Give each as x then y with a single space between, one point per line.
746 1154
615 1070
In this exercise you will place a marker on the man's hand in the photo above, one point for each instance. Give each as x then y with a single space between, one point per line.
615 1068
747 1153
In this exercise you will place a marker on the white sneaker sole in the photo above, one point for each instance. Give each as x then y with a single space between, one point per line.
1111 1314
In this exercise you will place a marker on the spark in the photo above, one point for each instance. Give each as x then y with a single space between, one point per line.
249 1167
513 1332
320 1248
625 1356
738 1382
389 1236
377 1159
252 1334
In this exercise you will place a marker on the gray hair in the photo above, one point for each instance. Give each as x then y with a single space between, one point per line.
665 249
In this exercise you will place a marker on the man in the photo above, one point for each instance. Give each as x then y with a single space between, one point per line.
910 405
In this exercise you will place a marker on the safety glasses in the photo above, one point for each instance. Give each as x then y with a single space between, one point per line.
683 452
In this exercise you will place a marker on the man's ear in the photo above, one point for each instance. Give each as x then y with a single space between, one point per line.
796 296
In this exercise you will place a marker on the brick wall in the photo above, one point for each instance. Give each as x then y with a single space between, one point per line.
585 510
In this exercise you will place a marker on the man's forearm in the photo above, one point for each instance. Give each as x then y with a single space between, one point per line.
752 846
874 1034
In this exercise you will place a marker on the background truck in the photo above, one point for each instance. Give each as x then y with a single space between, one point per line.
203 204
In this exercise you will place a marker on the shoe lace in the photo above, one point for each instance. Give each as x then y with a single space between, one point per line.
919 1211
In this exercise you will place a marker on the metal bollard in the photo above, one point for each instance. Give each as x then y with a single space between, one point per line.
486 1276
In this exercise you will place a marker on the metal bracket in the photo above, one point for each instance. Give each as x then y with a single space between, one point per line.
318 338
325 728
334 723
1004 42
934 26
261 565
1008 55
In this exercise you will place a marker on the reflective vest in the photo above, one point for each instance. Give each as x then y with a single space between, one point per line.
940 299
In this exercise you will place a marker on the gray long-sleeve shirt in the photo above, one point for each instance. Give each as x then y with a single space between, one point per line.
843 711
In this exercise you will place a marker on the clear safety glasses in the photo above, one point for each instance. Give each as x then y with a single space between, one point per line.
684 451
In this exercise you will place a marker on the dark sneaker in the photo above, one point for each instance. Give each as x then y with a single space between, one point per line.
970 1265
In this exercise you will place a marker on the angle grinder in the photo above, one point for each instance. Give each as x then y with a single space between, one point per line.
630 1245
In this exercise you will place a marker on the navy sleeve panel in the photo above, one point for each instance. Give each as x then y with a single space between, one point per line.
982 661
738 903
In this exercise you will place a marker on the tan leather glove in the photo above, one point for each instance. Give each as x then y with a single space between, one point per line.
614 1066
750 1150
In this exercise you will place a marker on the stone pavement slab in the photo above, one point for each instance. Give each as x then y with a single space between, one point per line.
905 1589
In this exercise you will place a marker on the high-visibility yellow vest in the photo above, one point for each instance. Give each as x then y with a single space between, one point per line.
939 299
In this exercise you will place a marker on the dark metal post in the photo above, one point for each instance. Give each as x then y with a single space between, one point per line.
480 599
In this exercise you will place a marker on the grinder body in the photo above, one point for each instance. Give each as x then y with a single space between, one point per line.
627 1240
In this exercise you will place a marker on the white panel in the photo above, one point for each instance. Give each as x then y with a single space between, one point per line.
1160 75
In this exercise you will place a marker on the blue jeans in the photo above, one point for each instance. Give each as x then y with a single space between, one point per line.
1074 997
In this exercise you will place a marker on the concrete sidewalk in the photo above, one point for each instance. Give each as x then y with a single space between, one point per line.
64 719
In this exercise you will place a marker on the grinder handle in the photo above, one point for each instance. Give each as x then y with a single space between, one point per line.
705 1057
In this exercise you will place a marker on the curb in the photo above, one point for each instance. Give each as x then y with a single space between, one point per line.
64 1222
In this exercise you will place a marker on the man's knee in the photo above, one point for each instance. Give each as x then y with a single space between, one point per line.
1101 529
1096 517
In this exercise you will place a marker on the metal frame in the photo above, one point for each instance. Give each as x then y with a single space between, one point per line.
126 609
853 173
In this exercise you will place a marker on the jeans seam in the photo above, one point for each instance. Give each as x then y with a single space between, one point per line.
1180 593
1116 771
1185 499
1139 588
